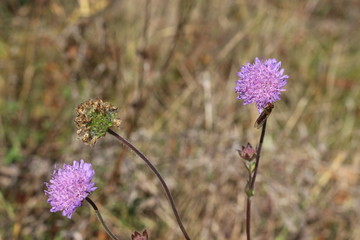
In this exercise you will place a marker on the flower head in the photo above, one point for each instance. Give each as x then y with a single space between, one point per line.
94 118
139 236
261 82
69 186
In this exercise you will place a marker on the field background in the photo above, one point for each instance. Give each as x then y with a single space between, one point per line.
170 67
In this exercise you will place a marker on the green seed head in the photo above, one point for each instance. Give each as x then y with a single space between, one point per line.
94 118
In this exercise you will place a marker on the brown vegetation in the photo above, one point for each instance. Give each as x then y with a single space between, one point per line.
170 67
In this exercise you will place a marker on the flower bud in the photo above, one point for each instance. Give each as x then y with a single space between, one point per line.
139 236
247 152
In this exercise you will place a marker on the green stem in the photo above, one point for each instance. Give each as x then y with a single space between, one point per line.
156 172
101 219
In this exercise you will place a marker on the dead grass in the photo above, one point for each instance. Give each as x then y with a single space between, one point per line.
171 66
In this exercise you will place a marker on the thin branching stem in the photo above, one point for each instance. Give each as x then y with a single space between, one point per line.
101 219
252 182
156 172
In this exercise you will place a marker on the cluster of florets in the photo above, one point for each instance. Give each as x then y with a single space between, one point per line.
94 118
69 186
261 82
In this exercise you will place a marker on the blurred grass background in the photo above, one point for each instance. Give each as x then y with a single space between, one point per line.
170 67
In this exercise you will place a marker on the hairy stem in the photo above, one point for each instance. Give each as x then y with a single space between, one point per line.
252 182
101 219
156 172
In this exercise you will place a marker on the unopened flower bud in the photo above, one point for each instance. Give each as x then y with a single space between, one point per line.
247 152
139 236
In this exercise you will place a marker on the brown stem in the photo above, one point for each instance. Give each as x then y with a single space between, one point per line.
258 155
252 182
156 172
101 219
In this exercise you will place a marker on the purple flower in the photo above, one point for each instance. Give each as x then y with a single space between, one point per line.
261 82
69 186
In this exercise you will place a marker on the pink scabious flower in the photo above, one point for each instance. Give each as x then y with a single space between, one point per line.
261 82
69 186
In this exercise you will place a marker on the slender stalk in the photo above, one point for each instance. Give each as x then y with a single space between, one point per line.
101 219
156 172
252 182
248 218
258 155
